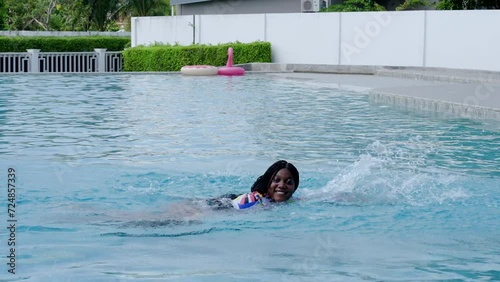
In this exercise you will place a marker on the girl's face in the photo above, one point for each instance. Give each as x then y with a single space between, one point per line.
282 186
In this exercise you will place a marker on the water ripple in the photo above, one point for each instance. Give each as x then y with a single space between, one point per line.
132 118
181 234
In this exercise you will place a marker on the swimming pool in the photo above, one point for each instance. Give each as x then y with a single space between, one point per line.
109 168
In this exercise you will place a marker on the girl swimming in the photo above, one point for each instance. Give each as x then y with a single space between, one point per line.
277 184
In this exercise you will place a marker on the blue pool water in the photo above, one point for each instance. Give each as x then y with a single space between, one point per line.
112 172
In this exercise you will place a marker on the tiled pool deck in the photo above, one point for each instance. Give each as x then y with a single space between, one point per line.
466 93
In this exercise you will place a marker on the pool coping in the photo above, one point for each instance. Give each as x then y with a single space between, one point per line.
426 73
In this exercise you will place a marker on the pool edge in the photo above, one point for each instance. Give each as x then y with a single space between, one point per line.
425 73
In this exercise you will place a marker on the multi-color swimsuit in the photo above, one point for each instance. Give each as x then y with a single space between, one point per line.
248 200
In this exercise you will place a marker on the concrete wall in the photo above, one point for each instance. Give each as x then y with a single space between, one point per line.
448 39
315 38
151 30
232 28
382 38
463 39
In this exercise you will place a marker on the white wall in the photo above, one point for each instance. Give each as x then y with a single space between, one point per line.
302 39
449 39
151 30
389 39
229 28
463 39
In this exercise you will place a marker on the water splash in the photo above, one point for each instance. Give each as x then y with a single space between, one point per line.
392 173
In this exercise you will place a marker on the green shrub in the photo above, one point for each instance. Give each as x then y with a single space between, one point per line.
355 6
410 5
173 58
468 5
446 5
62 44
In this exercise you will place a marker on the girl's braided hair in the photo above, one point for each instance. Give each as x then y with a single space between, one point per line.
262 183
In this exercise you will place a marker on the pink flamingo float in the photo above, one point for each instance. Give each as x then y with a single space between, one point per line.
229 69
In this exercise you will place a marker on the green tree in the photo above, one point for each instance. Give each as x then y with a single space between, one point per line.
144 8
468 4
410 5
29 14
70 15
103 13
75 15
355 6
3 16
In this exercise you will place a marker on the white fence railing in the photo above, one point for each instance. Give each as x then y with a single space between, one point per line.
63 33
35 61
